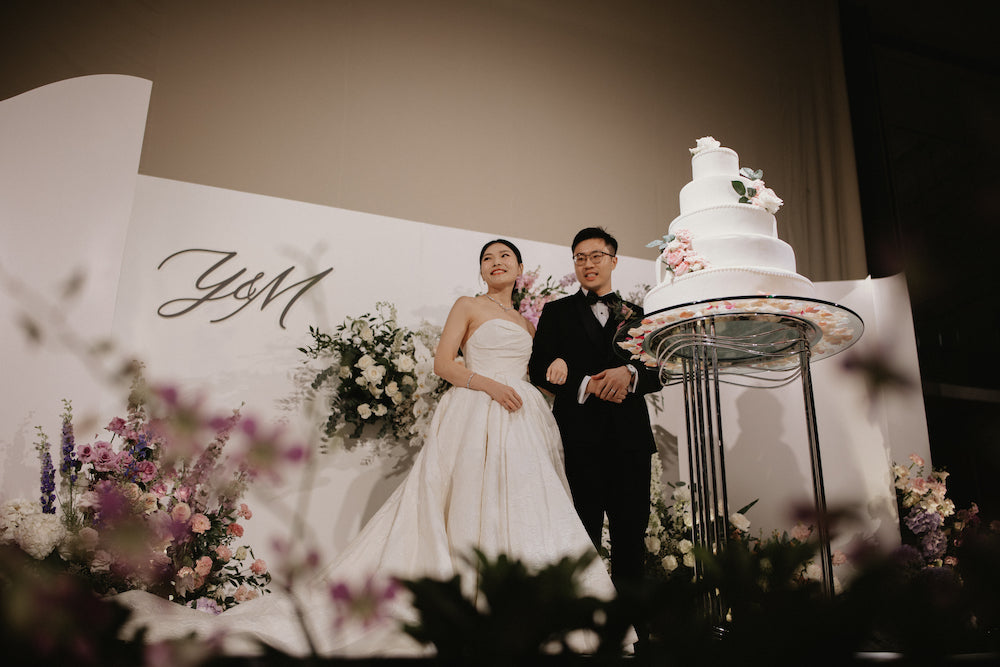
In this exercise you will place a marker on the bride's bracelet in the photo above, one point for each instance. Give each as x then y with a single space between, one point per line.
469 381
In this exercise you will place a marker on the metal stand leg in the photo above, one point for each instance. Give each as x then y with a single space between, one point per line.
819 492
706 459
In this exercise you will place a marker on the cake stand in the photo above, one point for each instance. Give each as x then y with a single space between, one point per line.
756 341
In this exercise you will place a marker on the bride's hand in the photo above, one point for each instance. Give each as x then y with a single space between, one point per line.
504 395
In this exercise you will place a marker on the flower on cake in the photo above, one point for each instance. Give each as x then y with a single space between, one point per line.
677 254
704 144
755 192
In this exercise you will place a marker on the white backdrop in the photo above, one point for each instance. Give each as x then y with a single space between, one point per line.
70 197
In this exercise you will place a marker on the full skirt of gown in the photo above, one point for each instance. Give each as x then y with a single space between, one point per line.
485 478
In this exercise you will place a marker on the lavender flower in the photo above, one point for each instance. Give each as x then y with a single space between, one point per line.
934 544
69 466
921 522
48 484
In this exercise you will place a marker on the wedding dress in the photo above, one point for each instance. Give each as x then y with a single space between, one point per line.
484 478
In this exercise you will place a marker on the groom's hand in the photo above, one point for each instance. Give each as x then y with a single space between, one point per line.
610 384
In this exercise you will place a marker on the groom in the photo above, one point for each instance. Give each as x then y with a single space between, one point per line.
599 405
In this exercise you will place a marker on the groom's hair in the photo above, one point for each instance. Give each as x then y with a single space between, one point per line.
595 233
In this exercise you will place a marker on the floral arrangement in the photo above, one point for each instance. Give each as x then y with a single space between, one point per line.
376 373
929 521
531 295
157 510
677 254
669 549
756 192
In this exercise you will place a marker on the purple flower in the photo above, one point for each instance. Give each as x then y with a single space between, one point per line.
934 544
48 484
69 465
208 605
921 522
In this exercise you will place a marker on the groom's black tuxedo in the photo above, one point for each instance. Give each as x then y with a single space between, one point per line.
607 445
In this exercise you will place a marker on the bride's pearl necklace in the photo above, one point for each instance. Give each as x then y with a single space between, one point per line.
498 303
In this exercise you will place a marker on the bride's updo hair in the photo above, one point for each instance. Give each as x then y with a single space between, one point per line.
517 253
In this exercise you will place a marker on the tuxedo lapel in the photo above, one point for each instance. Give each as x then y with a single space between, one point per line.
591 325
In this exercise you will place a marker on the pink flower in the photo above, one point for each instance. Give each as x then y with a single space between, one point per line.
235 529
244 593
183 494
159 489
146 471
681 269
919 484
567 280
104 458
258 567
224 553
116 426
369 606
203 566
85 453
801 532
917 459
245 512
200 523
187 580
181 512
839 558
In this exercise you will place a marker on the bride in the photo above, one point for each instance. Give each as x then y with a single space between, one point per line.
490 475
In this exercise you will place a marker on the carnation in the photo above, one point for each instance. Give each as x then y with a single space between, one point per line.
200 523
258 567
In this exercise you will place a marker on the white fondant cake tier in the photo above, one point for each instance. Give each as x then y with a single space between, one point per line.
710 191
725 282
745 250
726 219
715 162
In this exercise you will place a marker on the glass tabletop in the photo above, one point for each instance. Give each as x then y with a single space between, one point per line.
748 334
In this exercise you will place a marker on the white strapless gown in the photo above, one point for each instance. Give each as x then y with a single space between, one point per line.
484 478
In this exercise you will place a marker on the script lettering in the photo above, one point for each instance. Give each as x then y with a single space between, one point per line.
216 285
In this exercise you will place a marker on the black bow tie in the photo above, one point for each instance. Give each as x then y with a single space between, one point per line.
609 299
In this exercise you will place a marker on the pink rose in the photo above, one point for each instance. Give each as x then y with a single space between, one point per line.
85 453
917 459
224 553
116 426
200 523
146 470
104 458
235 529
681 269
801 532
183 494
159 489
839 557
258 567
181 512
203 566
245 512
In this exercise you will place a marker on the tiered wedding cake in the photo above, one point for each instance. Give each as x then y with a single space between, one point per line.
725 241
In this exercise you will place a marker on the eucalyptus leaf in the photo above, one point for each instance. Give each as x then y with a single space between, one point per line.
740 188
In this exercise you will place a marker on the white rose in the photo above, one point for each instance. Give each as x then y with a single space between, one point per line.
241 553
374 374
688 522
404 363
704 144
682 494
39 534
345 372
366 334
768 200
740 522
685 546
365 361
365 411
689 559
669 563
392 389
814 572
101 561
652 544
408 380
380 410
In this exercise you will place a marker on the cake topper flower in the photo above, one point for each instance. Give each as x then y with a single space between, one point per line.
677 254
704 144
755 192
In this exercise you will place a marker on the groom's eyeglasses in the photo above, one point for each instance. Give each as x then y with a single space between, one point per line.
595 257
